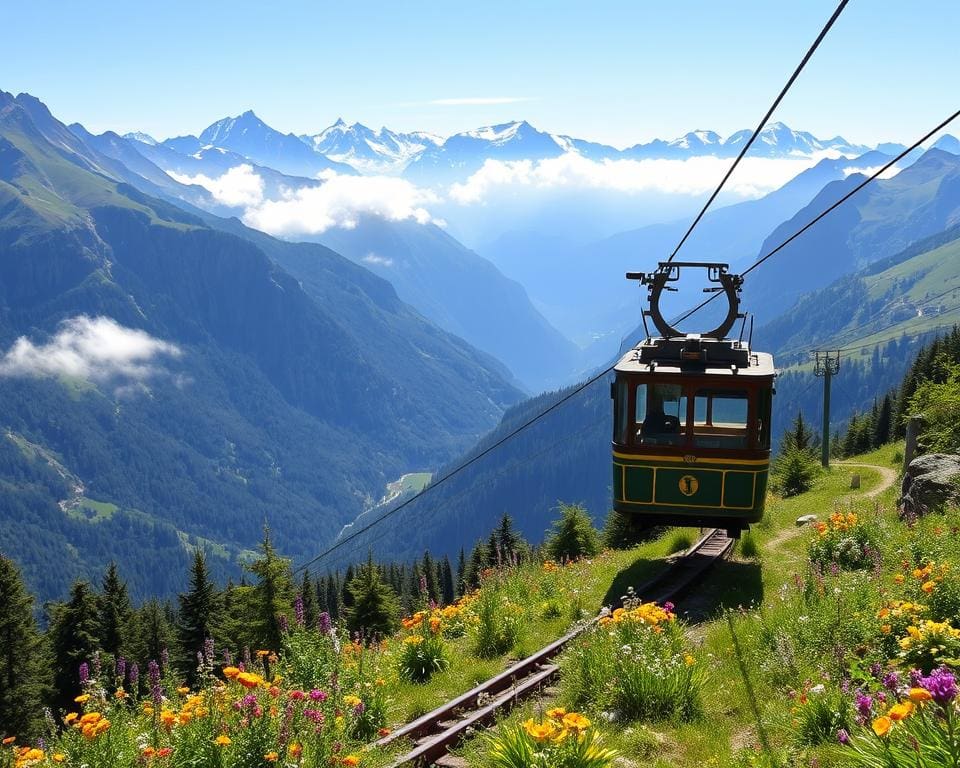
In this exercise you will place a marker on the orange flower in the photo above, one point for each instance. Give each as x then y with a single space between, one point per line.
901 711
148 752
576 722
295 750
9 740
919 695
898 579
164 752
556 713
271 757
230 672
383 732
881 726
351 760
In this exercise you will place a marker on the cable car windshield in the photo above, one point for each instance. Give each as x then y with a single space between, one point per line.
661 414
720 418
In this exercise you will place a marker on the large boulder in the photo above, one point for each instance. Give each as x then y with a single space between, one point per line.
930 483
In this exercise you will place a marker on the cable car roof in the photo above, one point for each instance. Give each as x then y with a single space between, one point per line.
694 355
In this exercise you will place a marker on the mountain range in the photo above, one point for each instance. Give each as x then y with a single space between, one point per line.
168 382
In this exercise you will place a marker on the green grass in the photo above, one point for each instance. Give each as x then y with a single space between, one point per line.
90 510
414 482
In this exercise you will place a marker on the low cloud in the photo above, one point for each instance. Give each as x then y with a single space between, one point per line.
892 171
96 349
373 258
340 202
240 187
694 176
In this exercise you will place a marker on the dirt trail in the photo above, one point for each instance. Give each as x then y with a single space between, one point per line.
888 476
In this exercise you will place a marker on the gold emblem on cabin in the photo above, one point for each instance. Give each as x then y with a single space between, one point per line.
689 459
688 485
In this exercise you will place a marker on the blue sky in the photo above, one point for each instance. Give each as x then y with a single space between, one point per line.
621 73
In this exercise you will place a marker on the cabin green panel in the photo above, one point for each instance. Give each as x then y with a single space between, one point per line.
704 487
738 489
638 482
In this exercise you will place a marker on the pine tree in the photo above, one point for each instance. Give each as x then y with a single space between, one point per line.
154 632
22 669
430 577
272 594
199 614
333 597
479 558
346 598
447 590
573 535
510 542
73 639
115 614
881 427
308 596
461 584
375 610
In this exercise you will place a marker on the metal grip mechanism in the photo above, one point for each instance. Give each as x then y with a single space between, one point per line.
669 272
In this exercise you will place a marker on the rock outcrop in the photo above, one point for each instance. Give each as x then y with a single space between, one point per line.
930 483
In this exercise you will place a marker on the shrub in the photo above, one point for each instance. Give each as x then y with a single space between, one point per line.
573 535
421 655
561 740
794 472
680 541
499 624
845 543
821 714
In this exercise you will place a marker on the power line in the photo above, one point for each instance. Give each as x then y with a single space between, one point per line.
829 209
763 122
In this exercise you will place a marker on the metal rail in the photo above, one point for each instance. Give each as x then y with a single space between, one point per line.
436 732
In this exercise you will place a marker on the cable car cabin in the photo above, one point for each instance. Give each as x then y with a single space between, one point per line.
691 435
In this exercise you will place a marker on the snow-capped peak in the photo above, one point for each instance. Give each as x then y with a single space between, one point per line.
143 138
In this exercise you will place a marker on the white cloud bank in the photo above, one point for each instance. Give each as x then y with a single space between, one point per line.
93 348
695 176
239 187
340 202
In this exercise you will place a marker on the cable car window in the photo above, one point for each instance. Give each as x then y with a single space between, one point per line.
720 418
764 404
664 419
620 412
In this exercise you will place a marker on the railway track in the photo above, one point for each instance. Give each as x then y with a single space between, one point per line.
436 732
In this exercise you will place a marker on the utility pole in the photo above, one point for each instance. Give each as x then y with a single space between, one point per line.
827 366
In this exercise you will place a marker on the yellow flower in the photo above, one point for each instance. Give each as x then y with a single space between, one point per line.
576 722
556 713
231 672
898 579
539 732
295 750
271 757
920 694
881 726
928 587
689 660
222 741
351 701
183 690
261 653
58 757
83 698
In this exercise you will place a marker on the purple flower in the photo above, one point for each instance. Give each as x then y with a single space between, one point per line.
282 621
84 672
423 583
942 685
228 658
891 681
668 606
96 665
864 704
317 695
121 671
876 669
359 709
298 610
916 676
134 675
247 661
842 736
208 650
153 674
323 623
314 715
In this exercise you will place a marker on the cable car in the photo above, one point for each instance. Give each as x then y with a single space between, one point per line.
691 417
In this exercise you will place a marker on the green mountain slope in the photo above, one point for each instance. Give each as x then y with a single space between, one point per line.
285 405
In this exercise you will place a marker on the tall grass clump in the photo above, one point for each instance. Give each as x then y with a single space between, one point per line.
499 623
635 664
